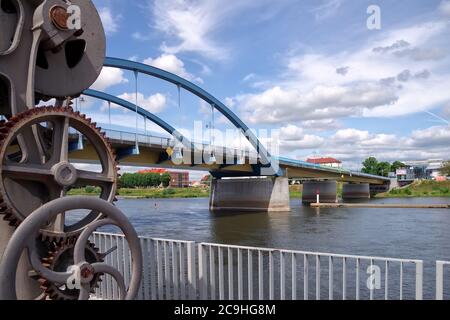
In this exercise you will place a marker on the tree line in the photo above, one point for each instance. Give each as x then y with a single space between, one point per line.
144 180
373 166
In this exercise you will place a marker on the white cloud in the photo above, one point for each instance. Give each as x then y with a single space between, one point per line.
320 125
291 132
171 63
384 77
110 21
155 103
327 9
249 77
140 37
444 7
353 146
278 105
109 77
351 135
193 26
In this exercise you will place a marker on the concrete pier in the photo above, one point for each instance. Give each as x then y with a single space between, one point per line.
327 191
356 191
253 194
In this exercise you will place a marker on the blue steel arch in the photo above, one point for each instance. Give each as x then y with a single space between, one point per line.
199 92
148 115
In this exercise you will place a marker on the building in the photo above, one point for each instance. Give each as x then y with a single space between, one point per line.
178 179
327 162
426 169
406 174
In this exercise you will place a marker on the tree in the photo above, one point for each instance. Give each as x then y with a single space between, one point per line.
383 169
370 166
165 179
397 165
445 170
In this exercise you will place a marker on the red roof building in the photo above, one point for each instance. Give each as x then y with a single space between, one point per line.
178 179
328 162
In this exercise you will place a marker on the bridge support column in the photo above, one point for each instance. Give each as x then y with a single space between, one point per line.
356 191
376 189
327 191
253 194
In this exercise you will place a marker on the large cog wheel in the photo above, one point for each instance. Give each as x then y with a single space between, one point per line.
36 169
59 259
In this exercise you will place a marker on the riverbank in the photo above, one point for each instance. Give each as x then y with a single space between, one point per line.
420 189
151 193
169 193
424 189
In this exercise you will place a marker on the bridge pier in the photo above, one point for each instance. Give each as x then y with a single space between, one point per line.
352 191
252 194
327 191
376 189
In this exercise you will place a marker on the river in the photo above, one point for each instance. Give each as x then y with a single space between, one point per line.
400 233
395 233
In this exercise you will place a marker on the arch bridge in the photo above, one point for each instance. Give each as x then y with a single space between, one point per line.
250 181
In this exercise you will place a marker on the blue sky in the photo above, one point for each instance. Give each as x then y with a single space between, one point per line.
311 69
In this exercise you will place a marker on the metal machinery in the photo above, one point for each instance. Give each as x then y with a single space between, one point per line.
43 56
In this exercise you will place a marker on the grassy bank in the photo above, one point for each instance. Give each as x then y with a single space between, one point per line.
151 193
295 193
420 189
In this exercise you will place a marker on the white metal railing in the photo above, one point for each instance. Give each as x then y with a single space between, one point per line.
285 274
169 267
440 268
187 270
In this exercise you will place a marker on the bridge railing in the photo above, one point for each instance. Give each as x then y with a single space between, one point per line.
187 270
164 142
441 268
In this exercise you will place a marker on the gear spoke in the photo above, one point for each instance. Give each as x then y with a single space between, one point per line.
108 252
29 142
26 172
61 140
93 178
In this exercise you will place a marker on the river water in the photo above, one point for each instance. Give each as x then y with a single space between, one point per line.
422 234
400 233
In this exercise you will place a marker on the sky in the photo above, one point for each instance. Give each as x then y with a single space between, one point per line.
310 69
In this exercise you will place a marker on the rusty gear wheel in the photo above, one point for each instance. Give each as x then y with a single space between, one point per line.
59 258
36 168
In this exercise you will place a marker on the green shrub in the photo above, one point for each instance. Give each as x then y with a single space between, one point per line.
169 192
89 189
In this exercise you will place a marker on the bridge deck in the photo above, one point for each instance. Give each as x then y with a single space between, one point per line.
153 153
